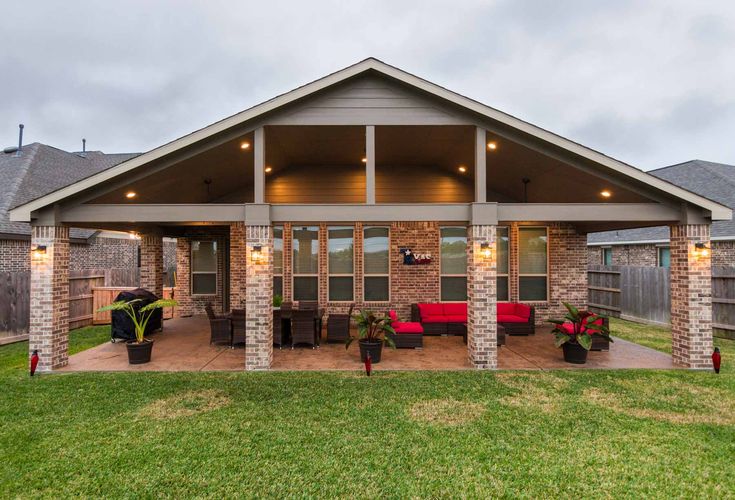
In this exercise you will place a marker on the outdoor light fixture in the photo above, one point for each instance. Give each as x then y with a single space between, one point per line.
605 193
364 160
245 145
485 249
462 168
257 253
131 194
268 170
38 251
701 249
492 146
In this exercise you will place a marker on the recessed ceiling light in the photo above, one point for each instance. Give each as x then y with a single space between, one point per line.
462 168
131 194
268 169
364 160
492 145
245 145
605 193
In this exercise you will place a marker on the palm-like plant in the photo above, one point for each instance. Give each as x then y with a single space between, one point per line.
372 328
139 316
583 327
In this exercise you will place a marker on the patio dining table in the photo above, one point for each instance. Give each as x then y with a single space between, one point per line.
318 315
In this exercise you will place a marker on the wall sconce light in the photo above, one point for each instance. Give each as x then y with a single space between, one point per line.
257 254
38 251
485 250
701 249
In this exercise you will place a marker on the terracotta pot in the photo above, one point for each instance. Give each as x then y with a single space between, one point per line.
139 353
574 353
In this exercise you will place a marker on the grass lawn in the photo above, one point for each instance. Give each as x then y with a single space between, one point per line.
453 434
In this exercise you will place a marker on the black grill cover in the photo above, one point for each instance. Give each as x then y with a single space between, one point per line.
122 325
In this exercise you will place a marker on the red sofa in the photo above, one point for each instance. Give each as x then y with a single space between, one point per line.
450 318
408 334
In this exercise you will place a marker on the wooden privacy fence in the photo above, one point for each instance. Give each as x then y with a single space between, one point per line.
644 294
15 303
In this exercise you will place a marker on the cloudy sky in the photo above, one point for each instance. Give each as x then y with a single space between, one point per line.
649 82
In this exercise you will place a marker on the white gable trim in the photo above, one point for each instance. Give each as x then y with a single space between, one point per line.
23 213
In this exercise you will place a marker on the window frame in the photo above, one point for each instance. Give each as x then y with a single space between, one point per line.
507 274
532 275
283 257
341 275
445 275
603 252
658 255
367 275
294 275
215 272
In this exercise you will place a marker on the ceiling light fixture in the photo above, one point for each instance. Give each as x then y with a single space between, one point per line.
462 168
605 193
131 194
491 145
245 145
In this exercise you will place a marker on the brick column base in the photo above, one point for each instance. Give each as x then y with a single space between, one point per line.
151 264
691 297
259 298
49 322
482 333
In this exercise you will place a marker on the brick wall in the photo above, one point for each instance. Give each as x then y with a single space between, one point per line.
189 304
15 255
151 263
723 253
237 265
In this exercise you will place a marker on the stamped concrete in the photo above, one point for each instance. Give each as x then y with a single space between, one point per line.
184 346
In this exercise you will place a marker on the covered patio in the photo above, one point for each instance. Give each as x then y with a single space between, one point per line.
184 346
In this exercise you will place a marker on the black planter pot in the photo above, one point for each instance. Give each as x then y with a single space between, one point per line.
574 353
374 348
139 353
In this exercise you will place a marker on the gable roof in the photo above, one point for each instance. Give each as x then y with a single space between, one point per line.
42 169
716 181
23 211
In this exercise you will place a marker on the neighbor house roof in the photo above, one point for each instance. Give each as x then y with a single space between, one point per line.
715 181
42 169
23 211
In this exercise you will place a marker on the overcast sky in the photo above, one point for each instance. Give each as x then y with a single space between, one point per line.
650 83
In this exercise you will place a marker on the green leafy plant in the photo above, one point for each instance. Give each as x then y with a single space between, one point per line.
578 327
372 328
277 300
140 316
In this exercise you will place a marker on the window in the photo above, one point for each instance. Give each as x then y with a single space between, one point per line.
278 261
503 251
376 264
533 261
453 264
203 267
341 252
305 263
607 256
663 256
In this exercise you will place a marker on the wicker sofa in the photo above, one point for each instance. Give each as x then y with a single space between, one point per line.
450 318
409 335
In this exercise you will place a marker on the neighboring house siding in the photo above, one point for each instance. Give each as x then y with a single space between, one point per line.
645 255
723 253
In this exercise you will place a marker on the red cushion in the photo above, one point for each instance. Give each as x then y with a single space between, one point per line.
506 308
408 327
522 310
434 319
455 308
427 310
511 318
393 315
456 318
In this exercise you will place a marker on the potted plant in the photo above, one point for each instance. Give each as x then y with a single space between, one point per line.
139 350
371 330
574 333
277 301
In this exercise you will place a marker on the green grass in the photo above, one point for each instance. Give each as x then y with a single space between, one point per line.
581 433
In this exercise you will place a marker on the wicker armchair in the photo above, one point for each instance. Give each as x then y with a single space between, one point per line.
279 335
220 327
338 326
238 327
302 328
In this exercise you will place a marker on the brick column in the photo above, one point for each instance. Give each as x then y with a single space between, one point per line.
237 265
513 262
482 332
151 264
287 262
259 299
49 322
182 292
691 297
323 266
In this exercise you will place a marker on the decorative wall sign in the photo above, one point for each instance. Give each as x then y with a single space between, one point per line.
414 259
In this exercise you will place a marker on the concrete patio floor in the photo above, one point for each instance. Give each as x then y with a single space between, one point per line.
184 346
